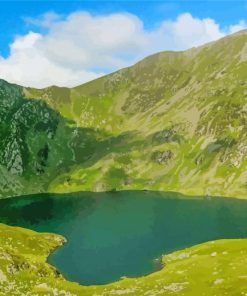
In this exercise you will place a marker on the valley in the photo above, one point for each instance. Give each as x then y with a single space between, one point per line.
152 155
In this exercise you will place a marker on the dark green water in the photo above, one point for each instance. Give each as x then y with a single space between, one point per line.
111 235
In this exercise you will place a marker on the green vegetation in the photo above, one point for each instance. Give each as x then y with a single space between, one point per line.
175 121
213 268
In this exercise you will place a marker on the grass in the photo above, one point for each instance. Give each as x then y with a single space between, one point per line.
215 268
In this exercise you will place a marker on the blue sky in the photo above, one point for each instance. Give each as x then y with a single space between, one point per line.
151 12
19 18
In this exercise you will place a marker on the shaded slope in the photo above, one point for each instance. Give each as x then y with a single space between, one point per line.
36 143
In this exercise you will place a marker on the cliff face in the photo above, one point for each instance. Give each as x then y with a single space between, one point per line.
174 121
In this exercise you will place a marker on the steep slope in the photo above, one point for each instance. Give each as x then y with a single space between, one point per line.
174 121
37 144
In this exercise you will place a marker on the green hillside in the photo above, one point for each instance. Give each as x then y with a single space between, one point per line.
174 121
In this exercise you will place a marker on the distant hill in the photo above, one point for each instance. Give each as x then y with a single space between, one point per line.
174 121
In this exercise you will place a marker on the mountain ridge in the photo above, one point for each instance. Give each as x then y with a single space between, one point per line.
241 32
173 121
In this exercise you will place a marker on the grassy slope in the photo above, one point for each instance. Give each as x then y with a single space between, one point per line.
176 121
213 268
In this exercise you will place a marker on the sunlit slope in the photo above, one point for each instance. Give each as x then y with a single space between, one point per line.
166 78
174 121
214 268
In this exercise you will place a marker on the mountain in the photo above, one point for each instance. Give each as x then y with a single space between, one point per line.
174 121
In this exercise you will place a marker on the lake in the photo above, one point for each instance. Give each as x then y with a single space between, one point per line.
116 234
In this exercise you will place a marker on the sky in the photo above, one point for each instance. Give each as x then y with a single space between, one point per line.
67 43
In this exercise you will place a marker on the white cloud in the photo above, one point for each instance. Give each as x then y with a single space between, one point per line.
29 66
81 47
238 27
188 31
46 20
